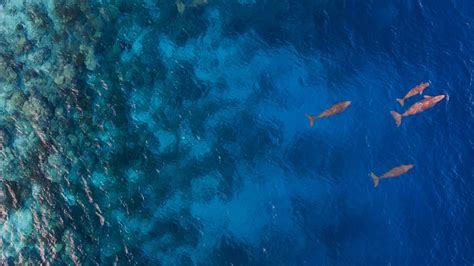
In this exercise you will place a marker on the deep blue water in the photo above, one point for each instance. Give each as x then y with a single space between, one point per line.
137 134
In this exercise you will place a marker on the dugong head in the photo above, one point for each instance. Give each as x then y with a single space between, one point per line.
438 98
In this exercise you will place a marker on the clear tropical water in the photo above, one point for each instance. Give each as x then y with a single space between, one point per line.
173 132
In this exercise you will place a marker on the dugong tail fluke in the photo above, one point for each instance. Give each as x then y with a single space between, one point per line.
375 178
397 117
401 101
311 118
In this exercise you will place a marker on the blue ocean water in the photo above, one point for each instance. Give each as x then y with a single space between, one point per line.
173 132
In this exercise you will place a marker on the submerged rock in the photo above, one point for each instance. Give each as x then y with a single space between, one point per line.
6 89
55 168
36 109
16 101
68 71
90 60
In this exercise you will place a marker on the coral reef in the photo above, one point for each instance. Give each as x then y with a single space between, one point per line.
111 134
57 132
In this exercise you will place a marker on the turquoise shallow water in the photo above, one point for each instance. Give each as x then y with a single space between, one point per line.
173 133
